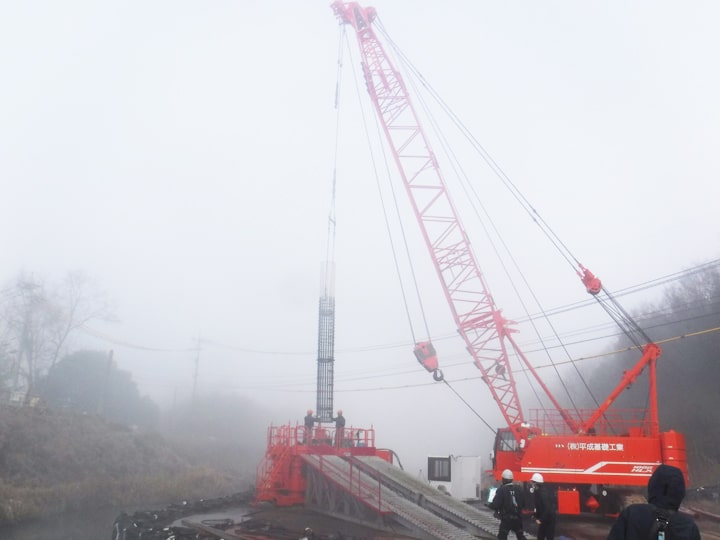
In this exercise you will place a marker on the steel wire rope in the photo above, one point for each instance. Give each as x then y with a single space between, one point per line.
574 306
494 430
415 281
637 288
578 359
540 367
614 310
385 213
332 223
479 377
514 191
401 345
609 336
605 354
459 171
615 335
464 379
613 352
659 342
467 188
131 345
649 317
624 322
454 163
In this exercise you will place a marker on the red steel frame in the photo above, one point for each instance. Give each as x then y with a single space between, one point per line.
486 333
280 478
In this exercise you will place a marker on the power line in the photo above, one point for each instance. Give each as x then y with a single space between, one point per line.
209 343
292 386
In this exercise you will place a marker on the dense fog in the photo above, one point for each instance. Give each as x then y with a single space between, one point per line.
168 171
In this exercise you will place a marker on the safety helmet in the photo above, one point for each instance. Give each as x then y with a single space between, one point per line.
339 412
309 411
537 478
507 474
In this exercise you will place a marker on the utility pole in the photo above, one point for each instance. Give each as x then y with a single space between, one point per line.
26 347
105 384
197 367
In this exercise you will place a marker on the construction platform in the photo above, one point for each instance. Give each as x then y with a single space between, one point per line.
345 477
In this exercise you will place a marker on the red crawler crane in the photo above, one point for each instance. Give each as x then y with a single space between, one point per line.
582 453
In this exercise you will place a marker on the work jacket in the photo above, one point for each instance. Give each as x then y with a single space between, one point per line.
666 490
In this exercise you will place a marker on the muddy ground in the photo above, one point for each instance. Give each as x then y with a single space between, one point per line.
291 522
295 519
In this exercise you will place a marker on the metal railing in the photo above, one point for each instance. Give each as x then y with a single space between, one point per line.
615 422
347 437
359 484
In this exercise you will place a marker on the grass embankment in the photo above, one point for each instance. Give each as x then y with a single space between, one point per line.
53 462
24 503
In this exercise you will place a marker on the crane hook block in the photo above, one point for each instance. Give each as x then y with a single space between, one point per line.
426 355
591 282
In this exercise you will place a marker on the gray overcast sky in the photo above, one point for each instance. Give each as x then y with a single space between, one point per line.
181 154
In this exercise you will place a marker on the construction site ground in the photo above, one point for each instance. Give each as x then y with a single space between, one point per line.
291 522
295 519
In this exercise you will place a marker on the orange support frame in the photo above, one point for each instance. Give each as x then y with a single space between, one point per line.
280 478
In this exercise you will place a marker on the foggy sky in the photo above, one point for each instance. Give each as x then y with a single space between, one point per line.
181 153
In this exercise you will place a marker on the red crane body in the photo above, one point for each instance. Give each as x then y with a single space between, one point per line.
575 450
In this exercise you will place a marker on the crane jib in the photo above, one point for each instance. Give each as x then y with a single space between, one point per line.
591 440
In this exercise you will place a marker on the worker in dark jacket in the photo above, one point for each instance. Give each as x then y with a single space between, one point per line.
508 505
309 423
545 511
339 428
666 490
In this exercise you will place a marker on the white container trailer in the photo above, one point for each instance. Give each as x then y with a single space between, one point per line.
459 476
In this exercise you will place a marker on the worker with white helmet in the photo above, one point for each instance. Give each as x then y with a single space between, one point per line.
308 534
508 505
545 508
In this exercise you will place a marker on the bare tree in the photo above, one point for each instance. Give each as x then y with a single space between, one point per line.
80 302
36 322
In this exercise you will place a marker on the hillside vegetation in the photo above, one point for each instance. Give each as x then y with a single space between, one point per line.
52 462
686 325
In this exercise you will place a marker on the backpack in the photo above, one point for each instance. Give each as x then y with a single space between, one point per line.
660 528
511 507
